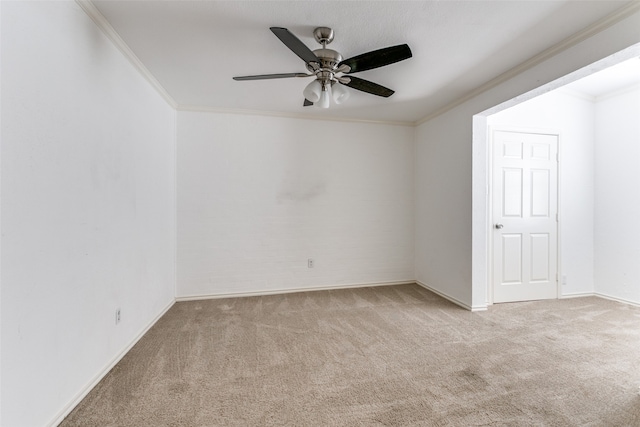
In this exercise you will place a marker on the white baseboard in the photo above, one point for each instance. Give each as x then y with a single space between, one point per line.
601 295
622 300
289 290
452 299
104 371
577 295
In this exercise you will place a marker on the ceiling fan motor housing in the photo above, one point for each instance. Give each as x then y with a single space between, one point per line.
329 59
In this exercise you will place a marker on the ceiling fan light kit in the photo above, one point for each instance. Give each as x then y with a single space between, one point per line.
325 97
329 68
312 91
340 94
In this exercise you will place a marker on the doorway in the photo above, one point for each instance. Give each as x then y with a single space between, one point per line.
575 265
524 210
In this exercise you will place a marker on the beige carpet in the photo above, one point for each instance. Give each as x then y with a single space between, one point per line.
376 357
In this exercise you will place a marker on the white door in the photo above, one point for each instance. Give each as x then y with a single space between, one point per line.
525 201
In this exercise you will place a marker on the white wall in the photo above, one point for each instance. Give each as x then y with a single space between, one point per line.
258 196
617 195
0 216
87 208
451 240
443 196
574 119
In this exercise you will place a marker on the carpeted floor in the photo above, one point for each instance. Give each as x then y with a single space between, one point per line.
386 356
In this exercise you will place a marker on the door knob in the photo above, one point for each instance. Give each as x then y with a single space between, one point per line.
499 226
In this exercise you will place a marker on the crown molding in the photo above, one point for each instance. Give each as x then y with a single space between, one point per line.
576 94
591 98
201 109
622 91
591 30
90 9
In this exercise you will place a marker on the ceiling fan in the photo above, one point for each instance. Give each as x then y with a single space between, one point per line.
331 71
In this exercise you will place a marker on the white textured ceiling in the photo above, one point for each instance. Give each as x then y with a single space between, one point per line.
194 48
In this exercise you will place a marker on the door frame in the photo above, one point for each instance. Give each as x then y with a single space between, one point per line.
480 270
490 192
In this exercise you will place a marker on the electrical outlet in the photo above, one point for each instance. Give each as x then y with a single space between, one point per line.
117 315
310 263
564 280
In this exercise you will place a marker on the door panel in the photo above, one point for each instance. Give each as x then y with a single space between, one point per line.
512 192
540 193
539 257
512 258
524 216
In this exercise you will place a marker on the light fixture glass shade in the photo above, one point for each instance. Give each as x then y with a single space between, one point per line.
340 93
325 97
312 91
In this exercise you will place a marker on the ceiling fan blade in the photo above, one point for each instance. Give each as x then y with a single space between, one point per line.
307 103
294 43
378 58
367 86
272 76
